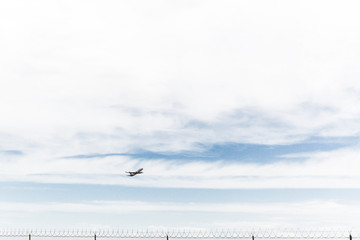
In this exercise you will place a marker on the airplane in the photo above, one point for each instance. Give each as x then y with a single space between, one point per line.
131 174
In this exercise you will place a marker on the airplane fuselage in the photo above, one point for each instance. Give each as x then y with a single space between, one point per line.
131 174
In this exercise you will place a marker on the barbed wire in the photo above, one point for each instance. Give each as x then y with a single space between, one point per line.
185 233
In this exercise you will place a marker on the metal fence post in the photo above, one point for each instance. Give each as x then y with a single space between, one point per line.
350 237
29 236
252 237
94 236
167 237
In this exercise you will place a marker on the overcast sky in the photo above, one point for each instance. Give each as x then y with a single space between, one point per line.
242 113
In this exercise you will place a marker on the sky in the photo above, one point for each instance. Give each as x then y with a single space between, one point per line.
243 114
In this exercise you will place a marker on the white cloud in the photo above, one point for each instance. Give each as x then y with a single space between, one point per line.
301 214
88 77
126 206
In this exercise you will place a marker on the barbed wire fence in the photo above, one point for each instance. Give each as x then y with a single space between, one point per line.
284 234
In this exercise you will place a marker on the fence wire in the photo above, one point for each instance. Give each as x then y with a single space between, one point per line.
183 234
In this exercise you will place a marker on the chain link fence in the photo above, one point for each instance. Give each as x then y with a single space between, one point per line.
285 234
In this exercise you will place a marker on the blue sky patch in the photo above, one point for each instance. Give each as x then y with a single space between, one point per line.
11 152
236 151
39 192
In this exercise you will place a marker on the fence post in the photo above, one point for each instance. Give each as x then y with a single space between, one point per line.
29 236
253 238
350 237
94 236
167 237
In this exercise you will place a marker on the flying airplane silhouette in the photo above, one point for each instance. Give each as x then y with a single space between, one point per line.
139 171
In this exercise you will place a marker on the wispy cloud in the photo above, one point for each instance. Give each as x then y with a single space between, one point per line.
81 85
126 206
300 214
332 169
